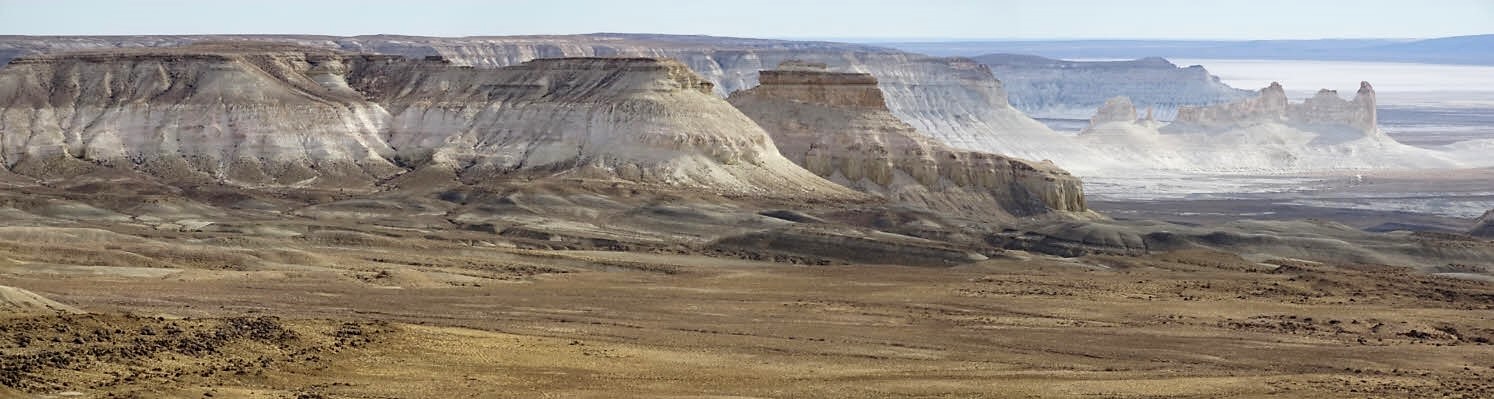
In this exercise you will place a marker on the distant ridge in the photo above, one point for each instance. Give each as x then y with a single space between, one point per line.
1468 50
1061 89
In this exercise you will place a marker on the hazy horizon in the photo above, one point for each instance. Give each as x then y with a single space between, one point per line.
840 20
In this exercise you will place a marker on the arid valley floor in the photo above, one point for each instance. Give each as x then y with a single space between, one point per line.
369 311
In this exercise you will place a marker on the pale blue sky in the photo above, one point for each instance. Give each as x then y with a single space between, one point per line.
1174 19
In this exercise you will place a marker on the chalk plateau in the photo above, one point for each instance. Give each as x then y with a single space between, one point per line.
837 125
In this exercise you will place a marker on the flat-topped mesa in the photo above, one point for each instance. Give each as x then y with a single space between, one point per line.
813 83
860 144
246 112
669 74
1271 105
1051 88
801 65
637 119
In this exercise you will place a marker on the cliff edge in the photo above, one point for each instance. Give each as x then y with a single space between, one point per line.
837 125
1271 105
258 114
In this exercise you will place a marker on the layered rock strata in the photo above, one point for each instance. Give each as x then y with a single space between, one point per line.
1262 134
1271 105
639 119
263 114
956 100
1050 88
255 114
1115 109
837 125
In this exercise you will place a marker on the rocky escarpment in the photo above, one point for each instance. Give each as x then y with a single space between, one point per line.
1050 88
1271 105
1263 134
837 125
639 119
1484 226
255 114
273 114
956 100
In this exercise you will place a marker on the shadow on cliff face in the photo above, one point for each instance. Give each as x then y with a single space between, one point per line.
612 215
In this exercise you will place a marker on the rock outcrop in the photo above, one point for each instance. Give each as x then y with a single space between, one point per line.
1484 226
1263 134
837 125
250 113
1115 109
1271 105
282 115
1050 88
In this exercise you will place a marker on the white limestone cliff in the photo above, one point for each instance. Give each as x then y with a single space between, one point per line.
1263 134
956 100
1050 88
251 114
837 125
639 119
280 115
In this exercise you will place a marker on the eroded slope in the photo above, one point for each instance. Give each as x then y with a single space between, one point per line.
837 125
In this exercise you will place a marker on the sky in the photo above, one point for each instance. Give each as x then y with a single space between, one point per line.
820 19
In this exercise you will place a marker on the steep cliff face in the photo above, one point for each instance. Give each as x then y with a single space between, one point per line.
257 114
287 115
1050 88
640 119
1116 109
955 100
1271 105
1263 134
837 125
